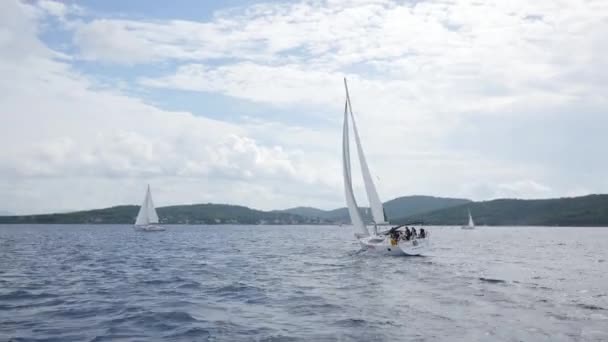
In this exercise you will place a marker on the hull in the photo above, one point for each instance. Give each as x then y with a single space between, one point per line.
149 228
415 247
386 246
467 227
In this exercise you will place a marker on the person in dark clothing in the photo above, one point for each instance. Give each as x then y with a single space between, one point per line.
422 233
408 233
395 235
414 234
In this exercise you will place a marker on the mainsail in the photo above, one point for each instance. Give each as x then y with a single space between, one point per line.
471 223
147 213
372 194
351 203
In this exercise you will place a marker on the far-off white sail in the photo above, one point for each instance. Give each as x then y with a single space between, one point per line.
147 213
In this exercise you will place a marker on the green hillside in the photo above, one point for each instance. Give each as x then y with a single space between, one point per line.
589 210
413 205
224 213
398 207
180 214
118 214
305 212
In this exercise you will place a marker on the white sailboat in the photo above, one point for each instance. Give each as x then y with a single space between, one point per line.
471 224
390 241
147 219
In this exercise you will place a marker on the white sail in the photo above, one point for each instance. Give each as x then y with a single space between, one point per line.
147 213
351 203
372 194
471 223
152 215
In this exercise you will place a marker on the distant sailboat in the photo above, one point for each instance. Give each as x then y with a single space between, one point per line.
471 224
147 219
387 241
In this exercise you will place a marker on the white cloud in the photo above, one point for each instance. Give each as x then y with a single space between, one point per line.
282 85
62 131
467 98
429 63
54 8
516 189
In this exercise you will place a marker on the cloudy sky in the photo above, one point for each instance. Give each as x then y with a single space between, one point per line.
241 101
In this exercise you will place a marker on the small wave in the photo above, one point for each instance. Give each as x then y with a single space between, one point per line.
314 309
156 282
52 302
195 332
84 312
162 281
590 306
174 316
559 316
238 291
22 294
190 286
351 322
116 337
157 320
492 280
280 338
130 310
310 263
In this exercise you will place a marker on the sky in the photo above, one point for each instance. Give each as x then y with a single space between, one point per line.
242 101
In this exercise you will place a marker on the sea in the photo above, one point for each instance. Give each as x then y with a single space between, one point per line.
300 283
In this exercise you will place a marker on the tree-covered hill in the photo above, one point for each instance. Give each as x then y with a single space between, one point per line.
398 207
179 214
589 210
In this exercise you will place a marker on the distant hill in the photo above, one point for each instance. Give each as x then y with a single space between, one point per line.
589 210
225 213
180 214
119 214
396 208
304 211
413 205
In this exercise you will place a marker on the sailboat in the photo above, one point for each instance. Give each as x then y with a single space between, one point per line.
388 241
471 224
147 219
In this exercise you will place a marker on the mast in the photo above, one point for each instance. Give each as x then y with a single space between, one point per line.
376 206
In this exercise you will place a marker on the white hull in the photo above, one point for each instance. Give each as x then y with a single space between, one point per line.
384 245
149 228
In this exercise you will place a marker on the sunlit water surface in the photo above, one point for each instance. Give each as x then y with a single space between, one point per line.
300 283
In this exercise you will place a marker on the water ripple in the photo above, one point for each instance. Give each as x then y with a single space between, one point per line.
234 283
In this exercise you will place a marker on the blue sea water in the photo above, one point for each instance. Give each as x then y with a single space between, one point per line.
300 283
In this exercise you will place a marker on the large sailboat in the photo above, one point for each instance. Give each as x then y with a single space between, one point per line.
471 224
147 218
394 240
